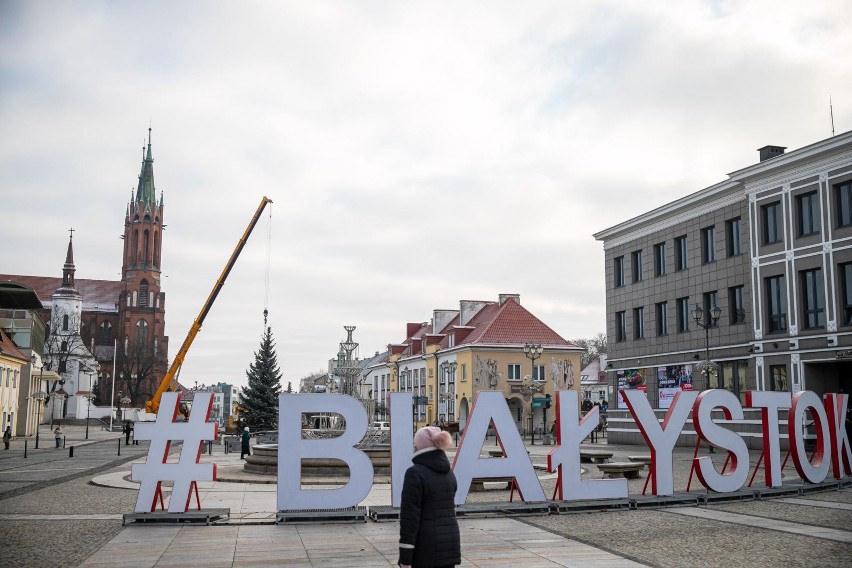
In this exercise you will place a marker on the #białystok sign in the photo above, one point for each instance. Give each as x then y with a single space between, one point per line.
833 453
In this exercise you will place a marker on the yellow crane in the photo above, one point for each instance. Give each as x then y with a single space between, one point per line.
154 404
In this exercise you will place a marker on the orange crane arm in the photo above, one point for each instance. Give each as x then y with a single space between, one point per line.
154 404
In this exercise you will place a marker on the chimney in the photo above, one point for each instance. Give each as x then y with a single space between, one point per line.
769 152
503 297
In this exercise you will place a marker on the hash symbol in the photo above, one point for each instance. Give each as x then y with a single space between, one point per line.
186 470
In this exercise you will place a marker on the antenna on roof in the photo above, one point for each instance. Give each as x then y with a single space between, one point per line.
831 111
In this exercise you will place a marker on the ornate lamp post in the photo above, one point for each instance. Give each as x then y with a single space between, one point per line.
533 351
527 389
698 316
89 398
124 402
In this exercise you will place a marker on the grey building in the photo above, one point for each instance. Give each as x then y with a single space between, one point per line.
770 248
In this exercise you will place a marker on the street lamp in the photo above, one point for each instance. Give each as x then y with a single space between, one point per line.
527 389
698 316
124 401
89 398
533 351
39 396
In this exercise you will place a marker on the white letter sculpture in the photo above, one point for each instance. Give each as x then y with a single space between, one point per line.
402 442
721 437
490 406
292 449
187 470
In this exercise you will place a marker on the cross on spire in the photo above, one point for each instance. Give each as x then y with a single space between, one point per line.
71 230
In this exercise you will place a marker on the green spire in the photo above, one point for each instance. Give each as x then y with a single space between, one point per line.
146 193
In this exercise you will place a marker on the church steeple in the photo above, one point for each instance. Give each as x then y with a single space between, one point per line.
146 193
68 268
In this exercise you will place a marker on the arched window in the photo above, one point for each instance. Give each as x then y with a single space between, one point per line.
65 322
135 250
157 249
146 250
63 347
143 294
105 336
134 299
142 332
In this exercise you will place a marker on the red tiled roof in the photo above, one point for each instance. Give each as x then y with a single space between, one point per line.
10 349
511 324
97 294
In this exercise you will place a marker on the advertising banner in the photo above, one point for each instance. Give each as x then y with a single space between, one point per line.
631 379
670 380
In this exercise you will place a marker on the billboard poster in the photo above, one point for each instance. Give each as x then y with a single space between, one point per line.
631 379
670 380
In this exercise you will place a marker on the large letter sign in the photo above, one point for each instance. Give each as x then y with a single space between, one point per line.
402 444
802 401
292 449
836 406
490 406
720 437
770 403
187 470
566 455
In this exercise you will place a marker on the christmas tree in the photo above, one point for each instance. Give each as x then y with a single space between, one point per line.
260 397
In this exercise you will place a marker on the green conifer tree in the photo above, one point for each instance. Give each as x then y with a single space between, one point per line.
260 397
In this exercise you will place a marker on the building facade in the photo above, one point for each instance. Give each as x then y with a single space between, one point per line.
744 285
104 331
480 346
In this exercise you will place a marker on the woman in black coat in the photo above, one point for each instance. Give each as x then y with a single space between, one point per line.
428 530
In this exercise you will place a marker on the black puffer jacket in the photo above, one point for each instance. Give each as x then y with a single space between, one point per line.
428 530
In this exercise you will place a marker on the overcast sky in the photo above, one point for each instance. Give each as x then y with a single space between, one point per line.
417 153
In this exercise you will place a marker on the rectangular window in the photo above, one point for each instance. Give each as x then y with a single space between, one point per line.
638 323
514 372
682 314
776 304
808 210
620 326
659 259
733 231
736 300
773 229
843 191
637 266
778 378
662 310
680 252
711 300
813 298
708 245
538 372
619 271
846 291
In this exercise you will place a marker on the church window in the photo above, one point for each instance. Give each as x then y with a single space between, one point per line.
134 299
143 294
63 347
105 333
65 322
145 247
126 344
156 345
135 250
142 332
156 248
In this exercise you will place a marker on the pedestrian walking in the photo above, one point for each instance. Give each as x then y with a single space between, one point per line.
428 529
57 435
127 431
7 437
245 447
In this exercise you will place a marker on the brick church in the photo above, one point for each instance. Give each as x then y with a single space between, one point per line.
100 329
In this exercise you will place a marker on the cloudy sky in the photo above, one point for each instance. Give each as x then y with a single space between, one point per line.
417 153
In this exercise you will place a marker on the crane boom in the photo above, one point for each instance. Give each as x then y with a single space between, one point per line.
154 404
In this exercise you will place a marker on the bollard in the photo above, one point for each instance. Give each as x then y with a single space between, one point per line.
210 447
25 448
71 452
119 446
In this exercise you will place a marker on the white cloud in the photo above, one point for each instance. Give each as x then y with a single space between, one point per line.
417 154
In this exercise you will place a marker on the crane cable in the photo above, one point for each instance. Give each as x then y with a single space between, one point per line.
268 256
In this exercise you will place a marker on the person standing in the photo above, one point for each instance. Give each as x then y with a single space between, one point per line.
57 435
428 530
127 433
245 448
7 437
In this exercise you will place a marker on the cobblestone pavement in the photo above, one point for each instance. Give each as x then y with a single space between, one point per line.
52 515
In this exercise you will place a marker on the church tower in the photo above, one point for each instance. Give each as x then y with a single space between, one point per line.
143 348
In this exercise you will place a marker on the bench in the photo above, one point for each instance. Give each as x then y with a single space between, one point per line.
644 459
594 456
478 483
629 470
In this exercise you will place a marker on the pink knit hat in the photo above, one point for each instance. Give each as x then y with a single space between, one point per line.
432 436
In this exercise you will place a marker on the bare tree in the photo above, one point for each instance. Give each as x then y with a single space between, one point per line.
308 383
138 366
64 343
592 348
